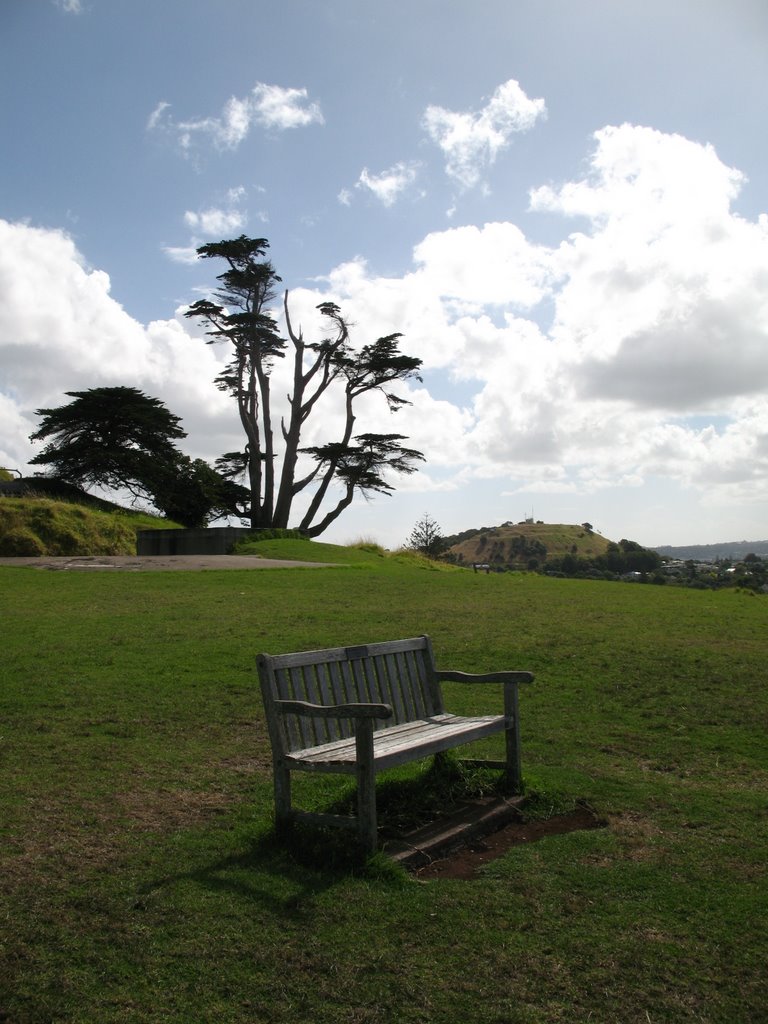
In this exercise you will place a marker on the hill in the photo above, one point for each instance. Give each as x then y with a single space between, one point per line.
733 551
524 545
31 527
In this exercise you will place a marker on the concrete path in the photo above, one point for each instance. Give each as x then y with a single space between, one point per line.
154 563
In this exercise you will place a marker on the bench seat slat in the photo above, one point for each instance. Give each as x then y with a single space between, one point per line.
400 743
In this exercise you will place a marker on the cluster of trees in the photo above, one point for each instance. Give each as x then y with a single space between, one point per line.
620 559
122 438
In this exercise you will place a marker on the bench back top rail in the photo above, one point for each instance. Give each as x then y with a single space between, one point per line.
400 673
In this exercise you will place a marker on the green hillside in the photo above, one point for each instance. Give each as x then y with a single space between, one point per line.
525 545
31 527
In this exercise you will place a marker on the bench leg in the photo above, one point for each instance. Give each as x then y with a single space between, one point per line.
513 777
283 815
366 788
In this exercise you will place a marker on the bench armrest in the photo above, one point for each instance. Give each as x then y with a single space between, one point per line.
484 677
303 707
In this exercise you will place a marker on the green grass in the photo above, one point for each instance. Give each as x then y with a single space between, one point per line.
31 527
141 881
369 555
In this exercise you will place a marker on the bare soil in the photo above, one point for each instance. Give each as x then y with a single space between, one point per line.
466 860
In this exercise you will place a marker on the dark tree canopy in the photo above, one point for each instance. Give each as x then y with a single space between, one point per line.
120 438
278 470
113 437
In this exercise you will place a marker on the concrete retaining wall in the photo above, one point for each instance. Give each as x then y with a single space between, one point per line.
215 540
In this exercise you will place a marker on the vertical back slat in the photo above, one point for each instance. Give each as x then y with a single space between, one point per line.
348 685
304 726
424 673
326 727
291 734
433 686
410 699
394 688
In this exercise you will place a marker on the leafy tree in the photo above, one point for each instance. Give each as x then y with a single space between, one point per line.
192 493
120 438
427 538
241 318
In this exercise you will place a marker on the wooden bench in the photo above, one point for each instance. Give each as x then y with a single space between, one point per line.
358 710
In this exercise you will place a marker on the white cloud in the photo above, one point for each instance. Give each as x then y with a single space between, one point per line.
269 106
388 185
157 117
492 265
60 330
275 107
215 221
471 141
186 254
70 6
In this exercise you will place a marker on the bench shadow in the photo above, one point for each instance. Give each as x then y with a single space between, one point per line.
284 874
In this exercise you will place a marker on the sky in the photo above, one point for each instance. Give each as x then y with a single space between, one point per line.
561 205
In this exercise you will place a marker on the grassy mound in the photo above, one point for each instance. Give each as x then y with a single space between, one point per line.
32 527
516 546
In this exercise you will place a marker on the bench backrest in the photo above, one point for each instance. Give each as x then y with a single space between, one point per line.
399 672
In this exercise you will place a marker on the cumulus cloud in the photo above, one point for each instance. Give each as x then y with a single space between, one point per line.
60 330
269 106
593 363
387 186
471 140
215 221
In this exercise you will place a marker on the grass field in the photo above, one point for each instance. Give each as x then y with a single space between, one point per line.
141 883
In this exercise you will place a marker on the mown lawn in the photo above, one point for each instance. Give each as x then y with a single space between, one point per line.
140 881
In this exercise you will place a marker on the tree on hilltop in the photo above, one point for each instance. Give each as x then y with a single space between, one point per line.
275 471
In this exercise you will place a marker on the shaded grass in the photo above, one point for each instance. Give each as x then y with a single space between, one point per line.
140 880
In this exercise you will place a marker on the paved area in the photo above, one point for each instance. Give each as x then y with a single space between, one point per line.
155 563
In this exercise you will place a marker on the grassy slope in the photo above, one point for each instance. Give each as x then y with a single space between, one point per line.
370 556
494 544
141 884
43 526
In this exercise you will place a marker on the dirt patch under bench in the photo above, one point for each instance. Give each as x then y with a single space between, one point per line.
465 860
